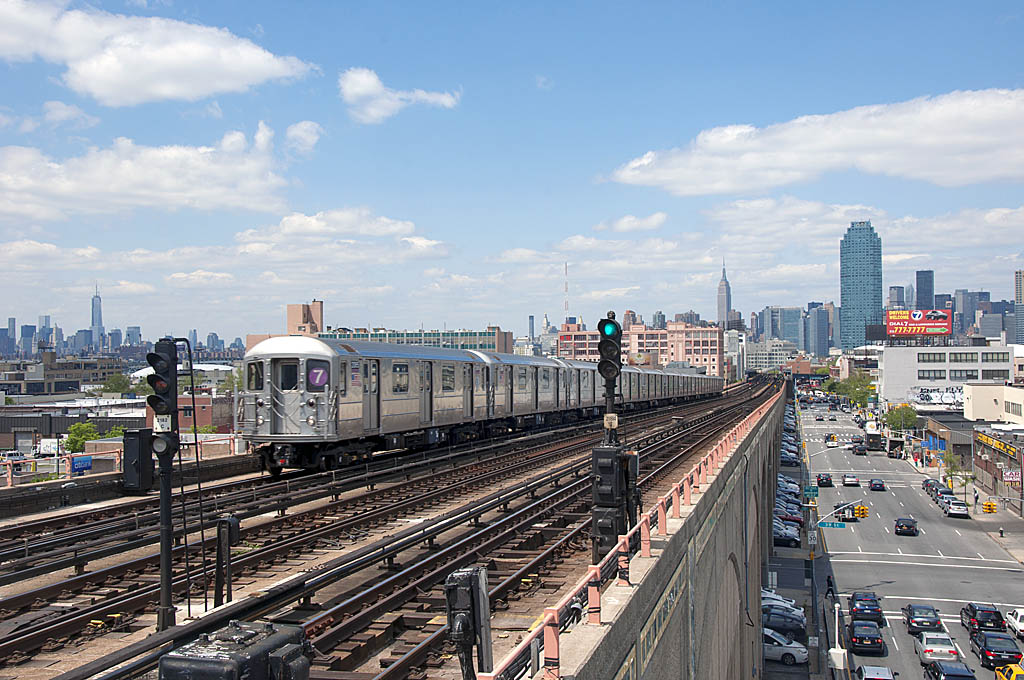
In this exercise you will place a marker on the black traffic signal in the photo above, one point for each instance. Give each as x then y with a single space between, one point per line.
164 400
609 348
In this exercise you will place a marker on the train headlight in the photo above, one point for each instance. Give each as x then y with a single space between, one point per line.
259 420
311 402
260 402
311 421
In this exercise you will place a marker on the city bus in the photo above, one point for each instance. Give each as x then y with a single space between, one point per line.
831 441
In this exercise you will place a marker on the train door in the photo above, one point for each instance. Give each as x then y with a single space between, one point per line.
506 372
534 378
467 391
371 394
286 399
488 373
557 384
426 376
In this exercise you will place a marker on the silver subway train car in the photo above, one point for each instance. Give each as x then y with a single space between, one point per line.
318 404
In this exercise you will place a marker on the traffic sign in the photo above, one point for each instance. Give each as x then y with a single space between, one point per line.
832 525
811 491
812 538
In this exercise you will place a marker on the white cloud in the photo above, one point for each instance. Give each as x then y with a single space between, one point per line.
544 83
213 110
956 139
122 60
634 223
303 136
370 102
5 120
57 113
327 225
230 175
199 277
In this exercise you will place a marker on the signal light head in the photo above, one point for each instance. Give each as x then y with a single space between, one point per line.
609 328
608 370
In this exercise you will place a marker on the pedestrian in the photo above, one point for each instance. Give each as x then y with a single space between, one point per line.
975 500
830 590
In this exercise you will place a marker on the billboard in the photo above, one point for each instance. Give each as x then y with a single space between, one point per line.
903 322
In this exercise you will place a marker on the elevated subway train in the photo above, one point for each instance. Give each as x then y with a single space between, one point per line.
317 404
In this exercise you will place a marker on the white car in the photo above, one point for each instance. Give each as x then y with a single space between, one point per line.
851 480
1014 620
935 647
955 509
778 648
767 594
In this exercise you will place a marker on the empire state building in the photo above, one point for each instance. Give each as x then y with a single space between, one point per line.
724 299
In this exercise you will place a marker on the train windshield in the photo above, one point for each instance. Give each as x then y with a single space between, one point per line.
254 372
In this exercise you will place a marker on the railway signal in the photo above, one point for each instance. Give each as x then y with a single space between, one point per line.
164 400
609 348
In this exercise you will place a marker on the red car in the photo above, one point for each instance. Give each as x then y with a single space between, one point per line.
790 518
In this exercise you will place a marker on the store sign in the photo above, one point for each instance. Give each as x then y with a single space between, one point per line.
1008 449
1011 476
903 322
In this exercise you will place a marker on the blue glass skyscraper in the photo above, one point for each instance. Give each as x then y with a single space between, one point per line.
860 283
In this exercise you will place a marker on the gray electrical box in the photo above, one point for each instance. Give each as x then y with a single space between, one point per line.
240 650
139 471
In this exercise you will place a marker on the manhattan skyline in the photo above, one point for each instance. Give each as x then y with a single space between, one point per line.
416 177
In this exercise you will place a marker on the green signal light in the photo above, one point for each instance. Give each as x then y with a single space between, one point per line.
607 328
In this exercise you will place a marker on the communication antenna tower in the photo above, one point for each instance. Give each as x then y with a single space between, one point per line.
566 292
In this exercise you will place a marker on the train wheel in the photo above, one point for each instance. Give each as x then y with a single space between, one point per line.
274 470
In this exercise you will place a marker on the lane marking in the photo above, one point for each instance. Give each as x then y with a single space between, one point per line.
940 553
900 550
893 633
947 557
886 528
901 502
980 555
931 564
956 530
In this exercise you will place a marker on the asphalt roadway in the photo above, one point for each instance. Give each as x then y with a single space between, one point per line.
950 563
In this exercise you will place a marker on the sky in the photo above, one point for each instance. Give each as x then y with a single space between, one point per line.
437 164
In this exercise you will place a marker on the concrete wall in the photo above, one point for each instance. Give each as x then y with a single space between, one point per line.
695 612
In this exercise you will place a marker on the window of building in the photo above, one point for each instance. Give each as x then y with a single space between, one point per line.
963 357
995 357
931 374
254 373
1013 408
447 378
955 374
995 374
931 357
400 378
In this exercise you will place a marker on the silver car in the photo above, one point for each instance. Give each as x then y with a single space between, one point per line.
778 648
935 647
956 509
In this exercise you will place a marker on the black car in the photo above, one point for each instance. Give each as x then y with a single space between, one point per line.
936 315
995 649
790 626
789 461
928 482
819 417
905 526
857 439
876 485
977 616
784 541
948 670
860 450
825 479
864 607
920 617
866 636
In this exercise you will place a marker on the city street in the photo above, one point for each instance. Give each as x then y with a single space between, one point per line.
951 562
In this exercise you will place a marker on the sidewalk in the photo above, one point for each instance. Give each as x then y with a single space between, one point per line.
1011 523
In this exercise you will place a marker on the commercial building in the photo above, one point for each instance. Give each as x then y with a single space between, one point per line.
925 291
1018 286
699 346
97 320
860 282
994 403
998 452
493 339
306 319
896 298
724 299
769 354
816 332
55 376
736 354
937 375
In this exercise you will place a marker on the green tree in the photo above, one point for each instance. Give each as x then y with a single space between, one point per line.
206 429
821 371
79 434
116 431
902 418
185 383
117 383
143 389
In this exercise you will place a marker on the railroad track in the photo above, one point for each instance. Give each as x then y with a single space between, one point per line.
558 499
47 618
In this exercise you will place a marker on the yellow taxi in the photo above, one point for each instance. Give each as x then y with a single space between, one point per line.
1011 672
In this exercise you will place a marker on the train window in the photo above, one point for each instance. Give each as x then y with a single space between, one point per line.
254 371
522 380
342 379
288 376
447 378
400 378
318 374
545 379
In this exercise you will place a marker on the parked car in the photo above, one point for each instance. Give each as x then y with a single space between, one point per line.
956 508
994 649
905 526
785 540
975 616
920 617
778 608
850 480
790 626
1015 622
931 646
866 636
824 479
795 519
928 482
876 485
940 493
768 594
864 607
789 461
778 648
948 670
875 673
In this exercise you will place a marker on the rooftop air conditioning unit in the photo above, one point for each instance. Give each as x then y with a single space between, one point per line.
1000 465
984 456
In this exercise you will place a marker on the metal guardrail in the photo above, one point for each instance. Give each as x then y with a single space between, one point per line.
583 602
